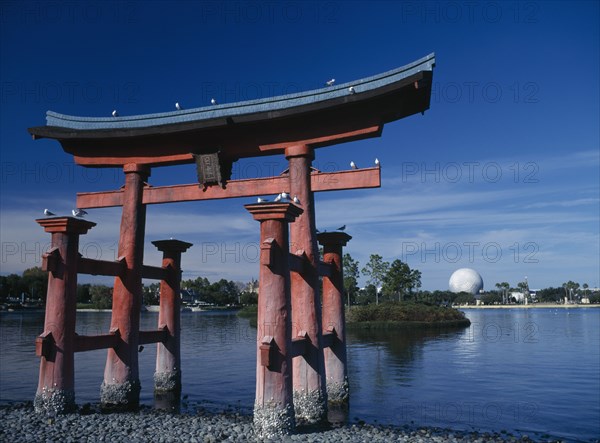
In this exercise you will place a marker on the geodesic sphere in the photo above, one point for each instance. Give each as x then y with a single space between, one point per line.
466 280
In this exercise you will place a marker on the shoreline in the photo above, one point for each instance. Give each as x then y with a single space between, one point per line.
529 306
19 422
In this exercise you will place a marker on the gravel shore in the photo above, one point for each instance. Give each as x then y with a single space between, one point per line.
19 423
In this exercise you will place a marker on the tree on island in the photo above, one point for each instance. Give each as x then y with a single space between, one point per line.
376 269
400 280
351 274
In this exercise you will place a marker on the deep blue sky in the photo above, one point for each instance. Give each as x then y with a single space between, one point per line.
501 174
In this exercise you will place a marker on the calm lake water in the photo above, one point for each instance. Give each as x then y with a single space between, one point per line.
534 371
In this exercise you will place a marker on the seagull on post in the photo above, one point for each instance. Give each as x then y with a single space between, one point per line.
353 165
330 82
376 161
48 213
115 113
79 212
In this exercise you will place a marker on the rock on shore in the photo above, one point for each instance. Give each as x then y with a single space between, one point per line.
19 423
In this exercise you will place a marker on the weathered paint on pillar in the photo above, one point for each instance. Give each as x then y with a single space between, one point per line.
273 407
167 377
56 346
310 395
334 317
121 386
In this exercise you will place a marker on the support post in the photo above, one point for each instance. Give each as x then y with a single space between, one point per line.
121 387
273 407
310 394
167 377
56 345
334 321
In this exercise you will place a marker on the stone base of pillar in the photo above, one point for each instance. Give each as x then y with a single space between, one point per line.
169 381
273 420
310 407
121 396
54 401
337 393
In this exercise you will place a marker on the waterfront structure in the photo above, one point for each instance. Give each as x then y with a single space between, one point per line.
213 138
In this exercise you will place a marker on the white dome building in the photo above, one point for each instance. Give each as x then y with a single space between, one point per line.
466 280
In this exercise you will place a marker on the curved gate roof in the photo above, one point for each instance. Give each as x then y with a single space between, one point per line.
249 128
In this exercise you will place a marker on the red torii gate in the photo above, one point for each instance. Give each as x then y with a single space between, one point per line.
294 375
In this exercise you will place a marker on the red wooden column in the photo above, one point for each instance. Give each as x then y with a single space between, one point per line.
310 396
273 406
121 386
334 321
167 377
56 346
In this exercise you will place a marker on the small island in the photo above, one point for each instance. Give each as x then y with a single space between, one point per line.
391 315
398 315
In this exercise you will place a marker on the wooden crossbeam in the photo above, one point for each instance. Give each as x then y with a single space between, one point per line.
157 336
320 182
154 272
92 266
91 342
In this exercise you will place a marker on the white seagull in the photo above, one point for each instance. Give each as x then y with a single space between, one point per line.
353 165
178 106
48 213
330 82
261 200
78 212
277 198
285 195
213 101
297 200
351 90
115 113
376 161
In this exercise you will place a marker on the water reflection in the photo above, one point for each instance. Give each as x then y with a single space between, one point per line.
513 369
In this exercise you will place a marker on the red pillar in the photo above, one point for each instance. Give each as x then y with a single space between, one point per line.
334 317
273 407
167 377
56 346
121 386
310 396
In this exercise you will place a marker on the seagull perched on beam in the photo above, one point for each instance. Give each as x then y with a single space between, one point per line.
330 82
115 113
376 161
296 200
261 200
178 106
353 165
285 195
351 90
341 228
278 198
48 213
78 212
213 101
